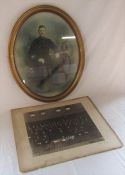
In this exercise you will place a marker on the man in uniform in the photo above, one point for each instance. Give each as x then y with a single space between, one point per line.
39 56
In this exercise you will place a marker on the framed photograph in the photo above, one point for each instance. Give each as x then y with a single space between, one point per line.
58 132
46 53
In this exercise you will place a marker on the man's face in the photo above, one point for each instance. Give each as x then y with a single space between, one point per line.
42 31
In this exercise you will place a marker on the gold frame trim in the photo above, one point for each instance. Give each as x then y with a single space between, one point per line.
74 27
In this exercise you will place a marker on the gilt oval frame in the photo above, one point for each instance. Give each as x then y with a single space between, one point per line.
54 11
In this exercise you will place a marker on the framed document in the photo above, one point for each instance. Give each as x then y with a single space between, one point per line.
46 53
59 132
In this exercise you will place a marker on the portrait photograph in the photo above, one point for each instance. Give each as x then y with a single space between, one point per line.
46 52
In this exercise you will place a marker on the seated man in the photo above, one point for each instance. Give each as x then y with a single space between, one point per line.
39 56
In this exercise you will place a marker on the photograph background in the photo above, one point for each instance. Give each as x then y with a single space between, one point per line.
56 29
102 24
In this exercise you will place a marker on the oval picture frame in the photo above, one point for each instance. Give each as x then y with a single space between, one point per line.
46 53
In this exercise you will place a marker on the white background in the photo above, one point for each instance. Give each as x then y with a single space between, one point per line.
102 24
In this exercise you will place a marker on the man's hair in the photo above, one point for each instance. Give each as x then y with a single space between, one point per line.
41 26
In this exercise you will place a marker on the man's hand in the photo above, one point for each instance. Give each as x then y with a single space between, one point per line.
41 60
57 55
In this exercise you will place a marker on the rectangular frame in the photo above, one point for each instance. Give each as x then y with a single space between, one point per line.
27 161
